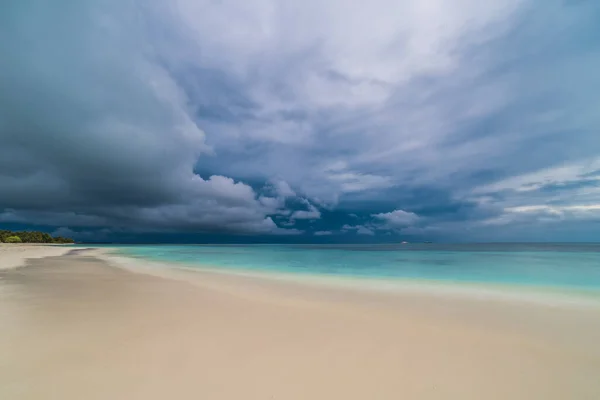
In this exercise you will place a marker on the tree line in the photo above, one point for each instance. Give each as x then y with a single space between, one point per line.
31 237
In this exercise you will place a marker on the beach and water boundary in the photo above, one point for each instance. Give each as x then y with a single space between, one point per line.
76 325
567 274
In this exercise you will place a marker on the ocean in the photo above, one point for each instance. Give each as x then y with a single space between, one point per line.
558 266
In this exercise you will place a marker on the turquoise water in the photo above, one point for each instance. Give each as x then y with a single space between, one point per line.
575 266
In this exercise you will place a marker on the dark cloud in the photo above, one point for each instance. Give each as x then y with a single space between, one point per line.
124 118
95 133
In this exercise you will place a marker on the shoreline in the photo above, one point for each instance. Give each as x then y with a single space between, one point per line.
76 326
15 255
551 296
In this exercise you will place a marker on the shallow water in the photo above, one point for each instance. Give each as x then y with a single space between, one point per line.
572 266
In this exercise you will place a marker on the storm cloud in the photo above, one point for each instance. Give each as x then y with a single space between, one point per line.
323 119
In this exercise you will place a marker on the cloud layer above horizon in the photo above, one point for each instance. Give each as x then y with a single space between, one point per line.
325 120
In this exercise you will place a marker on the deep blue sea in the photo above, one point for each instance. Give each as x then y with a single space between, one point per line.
575 266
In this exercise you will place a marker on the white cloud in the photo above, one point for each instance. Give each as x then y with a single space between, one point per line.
311 213
349 182
352 92
400 106
283 189
568 192
545 213
360 229
323 233
301 214
363 230
271 202
223 189
557 175
397 219
411 39
579 209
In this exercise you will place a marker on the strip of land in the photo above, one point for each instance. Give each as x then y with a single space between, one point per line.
76 327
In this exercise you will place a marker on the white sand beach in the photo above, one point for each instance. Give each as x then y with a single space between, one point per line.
75 327
14 255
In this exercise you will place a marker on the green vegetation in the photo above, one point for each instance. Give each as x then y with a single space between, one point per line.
31 237
13 239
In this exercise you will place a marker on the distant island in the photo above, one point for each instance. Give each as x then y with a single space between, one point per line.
32 237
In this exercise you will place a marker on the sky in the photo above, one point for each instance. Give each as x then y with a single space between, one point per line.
311 121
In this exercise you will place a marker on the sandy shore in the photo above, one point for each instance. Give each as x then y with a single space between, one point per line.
14 255
75 327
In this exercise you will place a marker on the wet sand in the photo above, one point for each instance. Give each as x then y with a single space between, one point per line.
75 327
14 255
